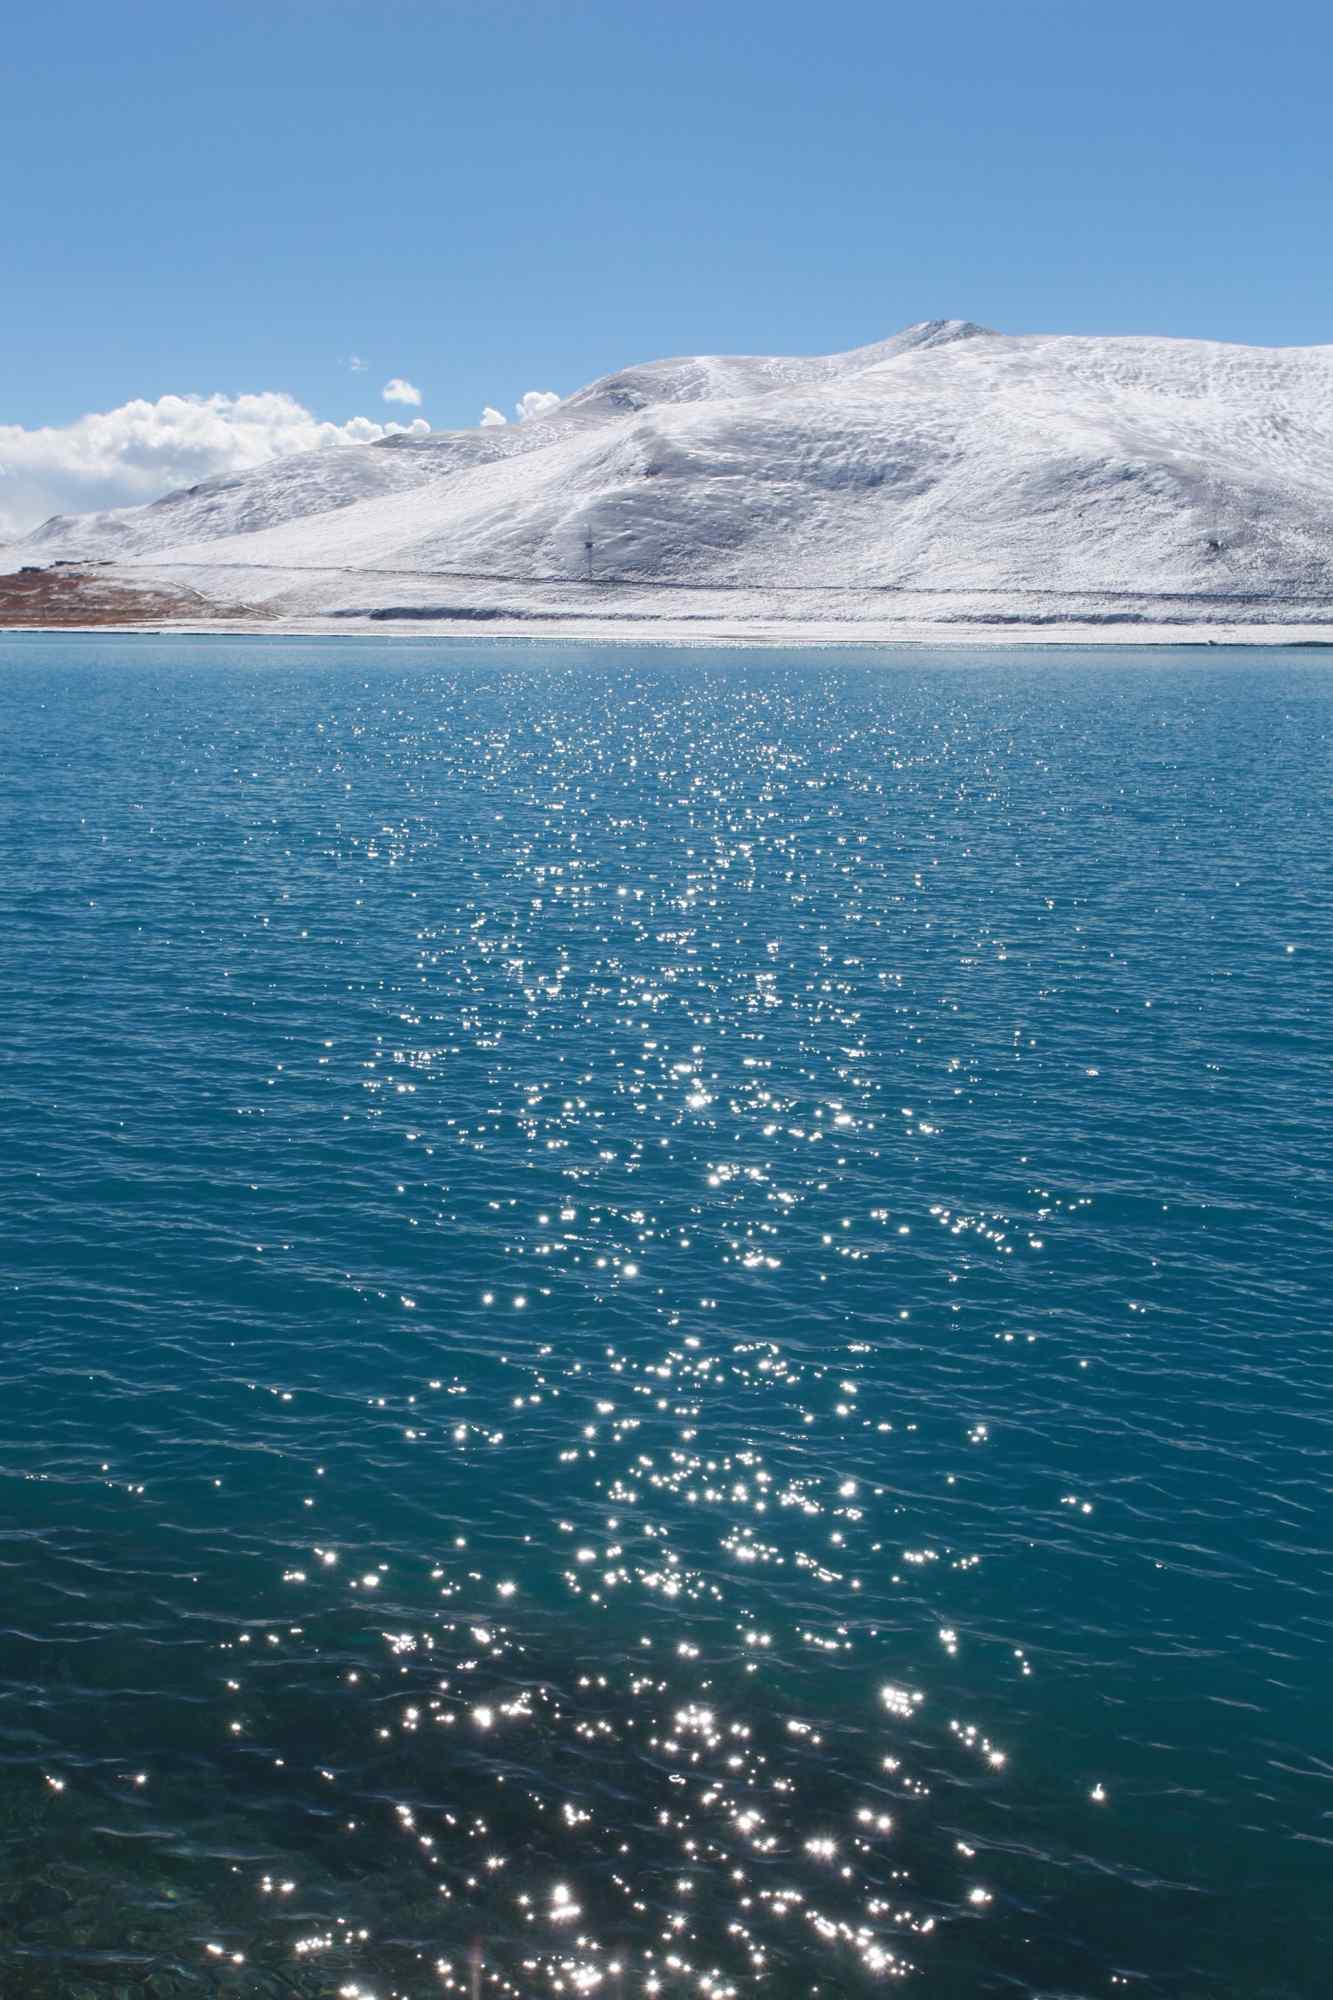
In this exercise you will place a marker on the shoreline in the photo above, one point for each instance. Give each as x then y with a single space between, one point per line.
738 636
203 598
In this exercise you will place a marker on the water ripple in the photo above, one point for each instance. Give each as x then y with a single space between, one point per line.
665 1322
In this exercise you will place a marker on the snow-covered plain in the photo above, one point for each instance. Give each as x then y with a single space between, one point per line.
949 481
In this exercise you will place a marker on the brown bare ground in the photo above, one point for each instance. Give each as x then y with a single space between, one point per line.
56 597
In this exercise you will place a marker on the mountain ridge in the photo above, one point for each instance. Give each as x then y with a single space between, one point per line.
946 461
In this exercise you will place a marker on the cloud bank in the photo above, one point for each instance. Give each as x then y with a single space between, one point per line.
118 458
399 391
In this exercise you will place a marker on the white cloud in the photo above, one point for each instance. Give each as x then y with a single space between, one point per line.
399 391
118 458
536 403
366 430
356 364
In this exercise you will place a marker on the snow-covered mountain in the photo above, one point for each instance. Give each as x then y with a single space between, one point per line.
949 469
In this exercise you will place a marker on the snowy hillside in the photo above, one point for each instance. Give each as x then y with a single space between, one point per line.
951 469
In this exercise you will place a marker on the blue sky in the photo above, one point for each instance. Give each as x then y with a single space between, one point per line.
486 199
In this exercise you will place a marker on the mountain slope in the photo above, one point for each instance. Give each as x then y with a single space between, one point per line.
946 462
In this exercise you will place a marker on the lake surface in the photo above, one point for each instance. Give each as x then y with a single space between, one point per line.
666 1321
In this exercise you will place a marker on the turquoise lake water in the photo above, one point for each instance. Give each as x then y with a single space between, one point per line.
666 1322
